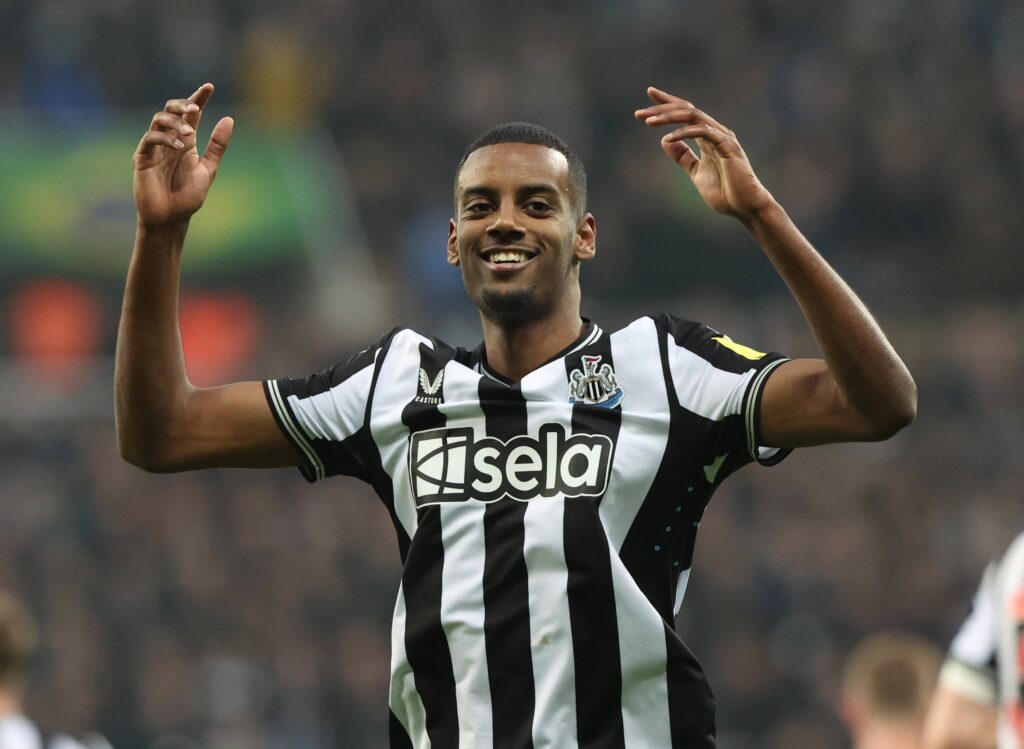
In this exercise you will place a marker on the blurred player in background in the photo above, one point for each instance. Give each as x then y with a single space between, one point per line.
980 700
887 685
18 639
546 487
17 644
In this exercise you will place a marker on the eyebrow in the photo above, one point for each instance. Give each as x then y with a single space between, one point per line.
532 189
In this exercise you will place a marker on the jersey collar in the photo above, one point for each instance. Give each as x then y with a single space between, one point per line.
591 334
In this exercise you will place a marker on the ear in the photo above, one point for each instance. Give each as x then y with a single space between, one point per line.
453 247
586 238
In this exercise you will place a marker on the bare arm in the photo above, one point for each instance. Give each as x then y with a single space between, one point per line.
861 390
163 422
958 722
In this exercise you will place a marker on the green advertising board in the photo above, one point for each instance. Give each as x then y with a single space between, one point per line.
66 203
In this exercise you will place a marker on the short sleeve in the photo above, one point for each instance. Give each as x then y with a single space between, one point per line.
324 415
721 381
971 668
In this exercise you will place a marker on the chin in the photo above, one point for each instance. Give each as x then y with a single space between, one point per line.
510 307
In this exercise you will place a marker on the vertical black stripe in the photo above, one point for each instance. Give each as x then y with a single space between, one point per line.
398 738
425 642
505 593
591 596
691 704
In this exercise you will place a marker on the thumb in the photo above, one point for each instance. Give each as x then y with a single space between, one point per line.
218 144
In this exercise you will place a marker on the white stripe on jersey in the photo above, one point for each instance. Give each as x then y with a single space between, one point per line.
404 700
554 674
462 600
396 387
643 654
643 434
462 611
554 670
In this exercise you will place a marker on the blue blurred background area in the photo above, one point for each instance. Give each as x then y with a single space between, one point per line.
246 609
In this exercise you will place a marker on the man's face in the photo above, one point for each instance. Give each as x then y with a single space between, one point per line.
516 234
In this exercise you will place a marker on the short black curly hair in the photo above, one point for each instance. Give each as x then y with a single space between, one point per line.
527 132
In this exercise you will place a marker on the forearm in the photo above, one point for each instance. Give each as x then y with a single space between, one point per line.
868 374
150 383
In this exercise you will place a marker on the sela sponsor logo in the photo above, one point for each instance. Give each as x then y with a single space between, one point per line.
429 391
595 384
450 465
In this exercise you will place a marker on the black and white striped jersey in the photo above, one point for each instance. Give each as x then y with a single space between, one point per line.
986 660
546 526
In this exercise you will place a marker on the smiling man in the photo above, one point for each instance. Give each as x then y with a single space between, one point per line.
546 487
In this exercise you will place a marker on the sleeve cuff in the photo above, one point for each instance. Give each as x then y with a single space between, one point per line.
766 456
311 467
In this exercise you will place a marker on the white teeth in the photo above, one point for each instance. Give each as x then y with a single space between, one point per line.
507 256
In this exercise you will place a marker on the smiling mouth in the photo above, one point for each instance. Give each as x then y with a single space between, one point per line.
505 258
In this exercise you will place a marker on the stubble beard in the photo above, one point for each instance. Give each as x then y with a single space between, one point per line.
511 308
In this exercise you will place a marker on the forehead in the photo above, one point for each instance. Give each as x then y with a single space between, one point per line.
512 164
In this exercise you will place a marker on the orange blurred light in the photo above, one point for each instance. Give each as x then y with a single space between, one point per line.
55 328
218 334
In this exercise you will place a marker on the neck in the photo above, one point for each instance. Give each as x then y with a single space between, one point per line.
10 704
517 351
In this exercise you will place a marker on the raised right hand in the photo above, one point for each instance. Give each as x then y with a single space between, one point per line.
171 180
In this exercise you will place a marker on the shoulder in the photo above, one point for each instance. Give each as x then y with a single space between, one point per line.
712 346
679 328
406 340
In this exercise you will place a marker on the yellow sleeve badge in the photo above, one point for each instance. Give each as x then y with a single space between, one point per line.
739 348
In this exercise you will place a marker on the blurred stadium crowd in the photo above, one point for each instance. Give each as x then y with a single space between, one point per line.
245 609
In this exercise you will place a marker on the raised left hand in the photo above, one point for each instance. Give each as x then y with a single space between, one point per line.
721 172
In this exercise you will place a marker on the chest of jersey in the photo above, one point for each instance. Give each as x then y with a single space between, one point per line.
464 435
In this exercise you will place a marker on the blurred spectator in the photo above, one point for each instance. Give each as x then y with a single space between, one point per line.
887 684
18 641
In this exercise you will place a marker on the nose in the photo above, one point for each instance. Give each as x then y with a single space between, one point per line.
504 228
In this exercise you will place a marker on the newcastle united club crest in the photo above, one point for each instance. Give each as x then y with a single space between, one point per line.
594 384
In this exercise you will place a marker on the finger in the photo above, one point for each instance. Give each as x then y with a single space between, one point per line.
649 111
219 139
171 122
202 95
699 132
682 154
198 101
678 112
154 138
661 96
180 106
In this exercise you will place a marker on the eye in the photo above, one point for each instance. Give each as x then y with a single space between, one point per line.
538 206
479 206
